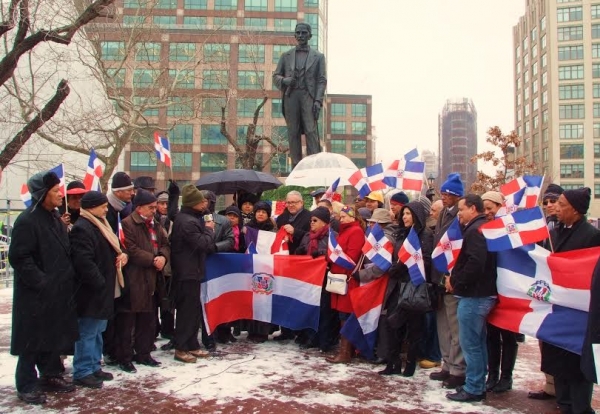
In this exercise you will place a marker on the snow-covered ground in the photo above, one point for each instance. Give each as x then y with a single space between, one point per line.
266 378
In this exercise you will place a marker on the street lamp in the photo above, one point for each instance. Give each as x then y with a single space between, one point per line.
430 193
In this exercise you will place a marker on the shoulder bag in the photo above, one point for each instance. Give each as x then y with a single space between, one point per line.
338 282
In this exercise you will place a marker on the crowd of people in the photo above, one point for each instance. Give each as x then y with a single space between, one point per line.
101 276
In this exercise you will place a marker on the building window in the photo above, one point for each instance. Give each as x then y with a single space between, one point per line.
571 151
225 4
526 98
147 52
596 190
359 162
534 87
338 146
518 52
195 4
536 121
545 154
225 23
545 135
311 3
182 52
544 98
543 24
526 77
518 83
250 79
519 115
338 127
255 23
576 111
280 165
533 35
534 52
545 117
338 109
569 14
571 186
570 72
285 25
242 132
279 133
180 107
215 79
181 134
358 147
570 52
596 151
286 5
525 61
544 78
276 108
278 50
595 50
211 135
596 110
570 91
534 70
596 31
212 106
359 110
216 52
112 50
359 128
256 5
527 127
129 21
246 108
145 78
164 21
252 54
596 70
526 112
196 22
115 78
142 103
534 105
518 67
571 171
543 42
518 100
544 60
182 161
525 44
596 170
143 161
569 33
570 131
184 78
212 162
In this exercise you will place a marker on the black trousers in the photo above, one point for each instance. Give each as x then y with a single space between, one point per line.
136 332
299 117
189 315
411 329
109 339
574 396
502 349
47 363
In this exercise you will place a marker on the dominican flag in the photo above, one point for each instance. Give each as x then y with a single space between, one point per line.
266 242
93 173
412 256
515 230
361 327
336 254
406 174
120 232
448 248
283 290
368 179
378 248
522 192
162 148
25 195
331 191
59 170
545 295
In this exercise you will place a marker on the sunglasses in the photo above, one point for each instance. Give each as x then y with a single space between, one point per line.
549 201
314 220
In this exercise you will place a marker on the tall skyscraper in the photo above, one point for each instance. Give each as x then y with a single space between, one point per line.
457 132
557 91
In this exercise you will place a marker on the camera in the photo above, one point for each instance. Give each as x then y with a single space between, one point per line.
208 217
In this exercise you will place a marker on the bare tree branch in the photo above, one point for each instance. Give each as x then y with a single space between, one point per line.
9 24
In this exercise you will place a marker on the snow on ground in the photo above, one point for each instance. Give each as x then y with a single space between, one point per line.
264 378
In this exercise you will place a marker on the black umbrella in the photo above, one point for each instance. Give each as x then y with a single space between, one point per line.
231 181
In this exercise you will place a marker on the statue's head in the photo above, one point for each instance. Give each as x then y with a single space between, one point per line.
303 33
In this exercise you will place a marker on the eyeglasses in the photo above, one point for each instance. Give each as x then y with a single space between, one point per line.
292 202
314 220
549 201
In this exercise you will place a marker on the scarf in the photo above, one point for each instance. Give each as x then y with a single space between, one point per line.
313 244
236 238
150 226
112 239
117 204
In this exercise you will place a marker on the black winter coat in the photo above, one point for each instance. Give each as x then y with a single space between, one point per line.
556 361
301 225
474 274
95 271
113 215
43 317
191 241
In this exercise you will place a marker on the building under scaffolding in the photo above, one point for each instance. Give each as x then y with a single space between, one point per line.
458 141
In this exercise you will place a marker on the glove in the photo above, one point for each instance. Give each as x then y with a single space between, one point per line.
356 276
316 109
173 188
315 254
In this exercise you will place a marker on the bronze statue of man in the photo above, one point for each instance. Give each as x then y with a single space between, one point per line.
301 77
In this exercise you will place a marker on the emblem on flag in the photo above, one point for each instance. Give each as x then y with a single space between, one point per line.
448 248
378 248
262 283
515 230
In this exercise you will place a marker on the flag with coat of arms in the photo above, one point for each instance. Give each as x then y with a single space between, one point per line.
448 248
336 255
522 192
378 248
514 230
331 190
368 179
411 255
407 173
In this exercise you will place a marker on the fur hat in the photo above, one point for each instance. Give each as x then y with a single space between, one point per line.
39 184
143 197
322 213
453 185
121 181
262 205
579 199
191 196
93 199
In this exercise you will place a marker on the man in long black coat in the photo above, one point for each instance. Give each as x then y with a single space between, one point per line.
573 389
44 322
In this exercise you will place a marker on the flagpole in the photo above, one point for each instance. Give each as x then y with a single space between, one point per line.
549 237
64 176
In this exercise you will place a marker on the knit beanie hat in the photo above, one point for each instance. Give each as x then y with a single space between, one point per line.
493 196
425 202
579 199
162 197
191 196
553 192
121 181
263 205
93 199
453 185
399 198
322 213
143 197
39 184
76 187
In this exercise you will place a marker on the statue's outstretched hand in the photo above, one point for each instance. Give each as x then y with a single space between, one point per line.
289 81
316 109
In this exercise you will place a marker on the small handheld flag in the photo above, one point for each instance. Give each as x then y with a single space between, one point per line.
378 248
331 191
93 173
412 256
368 179
514 230
120 232
448 248
337 255
162 148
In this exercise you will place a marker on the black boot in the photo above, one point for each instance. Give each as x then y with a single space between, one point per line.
503 385
492 380
409 369
391 369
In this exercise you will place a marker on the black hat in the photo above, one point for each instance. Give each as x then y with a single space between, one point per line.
121 181
146 182
553 192
76 187
318 192
233 210
39 184
248 197
263 205
322 213
143 197
579 199
93 199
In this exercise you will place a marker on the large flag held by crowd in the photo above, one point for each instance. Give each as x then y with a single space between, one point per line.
283 290
545 295
266 242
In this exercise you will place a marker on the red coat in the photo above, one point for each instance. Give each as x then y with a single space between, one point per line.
351 239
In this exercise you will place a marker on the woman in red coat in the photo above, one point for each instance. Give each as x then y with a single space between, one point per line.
351 239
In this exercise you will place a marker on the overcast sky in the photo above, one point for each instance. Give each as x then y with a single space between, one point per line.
412 56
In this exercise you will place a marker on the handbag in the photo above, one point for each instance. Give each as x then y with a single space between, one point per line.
416 298
338 282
